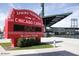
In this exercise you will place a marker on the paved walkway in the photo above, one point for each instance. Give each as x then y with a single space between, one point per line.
2 50
65 47
67 44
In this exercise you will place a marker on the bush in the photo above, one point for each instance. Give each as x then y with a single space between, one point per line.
23 42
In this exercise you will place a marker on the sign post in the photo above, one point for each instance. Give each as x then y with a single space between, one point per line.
54 42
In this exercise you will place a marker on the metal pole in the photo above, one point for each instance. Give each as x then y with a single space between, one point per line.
42 5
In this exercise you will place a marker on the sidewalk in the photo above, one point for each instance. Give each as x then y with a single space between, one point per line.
34 51
67 44
2 49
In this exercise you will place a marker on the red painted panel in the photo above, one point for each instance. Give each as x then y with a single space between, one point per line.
22 17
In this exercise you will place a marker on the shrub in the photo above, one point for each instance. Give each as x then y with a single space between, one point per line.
23 42
31 41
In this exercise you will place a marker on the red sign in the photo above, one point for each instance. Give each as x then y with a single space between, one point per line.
23 23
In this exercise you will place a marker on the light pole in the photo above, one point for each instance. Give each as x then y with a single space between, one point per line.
43 14
42 5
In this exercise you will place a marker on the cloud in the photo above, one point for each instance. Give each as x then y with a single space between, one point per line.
12 5
54 8
57 8
16 6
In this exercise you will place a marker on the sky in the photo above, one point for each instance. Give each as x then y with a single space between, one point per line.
50 9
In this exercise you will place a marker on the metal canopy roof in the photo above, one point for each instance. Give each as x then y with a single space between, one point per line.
52 19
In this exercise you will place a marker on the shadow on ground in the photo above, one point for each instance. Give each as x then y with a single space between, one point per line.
53 42
58 53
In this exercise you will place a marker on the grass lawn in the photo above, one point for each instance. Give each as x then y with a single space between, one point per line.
7 46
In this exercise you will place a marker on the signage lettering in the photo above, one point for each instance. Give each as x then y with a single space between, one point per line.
27 13
21 13
27 21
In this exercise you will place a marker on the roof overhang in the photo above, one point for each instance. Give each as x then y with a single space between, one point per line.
52 19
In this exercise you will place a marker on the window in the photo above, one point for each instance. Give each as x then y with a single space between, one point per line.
18 27
37 29
26 28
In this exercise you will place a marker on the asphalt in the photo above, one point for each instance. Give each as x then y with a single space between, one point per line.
58 53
